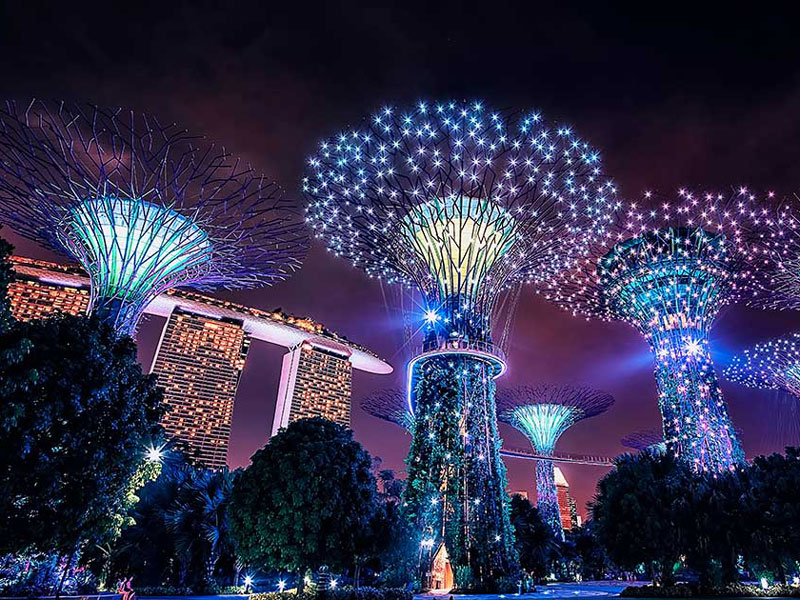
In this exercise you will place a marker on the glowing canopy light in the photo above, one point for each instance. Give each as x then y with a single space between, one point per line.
460 239
459 203
668 271
771 365
141 206
543 424
543 413
780 246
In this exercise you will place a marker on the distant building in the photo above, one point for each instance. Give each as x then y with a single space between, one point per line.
574 517
567 507
198 362
36 298
522 493
316 381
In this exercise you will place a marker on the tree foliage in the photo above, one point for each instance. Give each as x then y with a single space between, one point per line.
179 534
770 488
641 511
307 499
653 510
535 542
75 410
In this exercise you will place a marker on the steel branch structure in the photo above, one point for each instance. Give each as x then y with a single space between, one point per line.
458 203
772 365
389 405
543 413
648 439
142 206
668 272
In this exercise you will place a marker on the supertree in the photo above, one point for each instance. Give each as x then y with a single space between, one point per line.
391 406
668 271
773 365
543 413
458 203
648 439
142 206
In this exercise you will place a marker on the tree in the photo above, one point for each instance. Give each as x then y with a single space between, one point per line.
179 533
535 542
641 511
772 508
75 410
307 499
590 555
198 519
716 528
389 547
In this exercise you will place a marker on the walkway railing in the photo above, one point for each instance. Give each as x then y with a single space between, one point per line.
457 344
581 459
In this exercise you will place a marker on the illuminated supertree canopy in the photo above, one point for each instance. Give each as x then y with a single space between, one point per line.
142 206
647 439
543 413
391 406
772 365
459 203
668 271
780 245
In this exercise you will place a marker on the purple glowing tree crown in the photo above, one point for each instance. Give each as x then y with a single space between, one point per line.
140 205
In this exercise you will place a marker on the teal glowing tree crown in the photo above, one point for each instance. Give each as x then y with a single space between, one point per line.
458 202
142 206
544 412
668 271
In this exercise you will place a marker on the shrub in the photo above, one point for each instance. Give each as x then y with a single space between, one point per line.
163 590
364 593
657 591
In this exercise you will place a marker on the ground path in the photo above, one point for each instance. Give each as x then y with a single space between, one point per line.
553 591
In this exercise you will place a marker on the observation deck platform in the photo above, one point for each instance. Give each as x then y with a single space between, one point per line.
487 351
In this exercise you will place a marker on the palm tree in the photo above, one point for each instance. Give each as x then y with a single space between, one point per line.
199 520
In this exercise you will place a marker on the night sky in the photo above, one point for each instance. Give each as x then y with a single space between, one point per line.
671 97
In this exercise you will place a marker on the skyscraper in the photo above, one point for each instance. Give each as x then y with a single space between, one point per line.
315 382
199 362
567 507
35 297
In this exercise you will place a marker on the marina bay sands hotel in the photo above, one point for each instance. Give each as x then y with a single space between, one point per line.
202 352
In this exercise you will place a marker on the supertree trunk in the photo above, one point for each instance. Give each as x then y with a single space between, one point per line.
122 316
547 497
697 427
456 481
